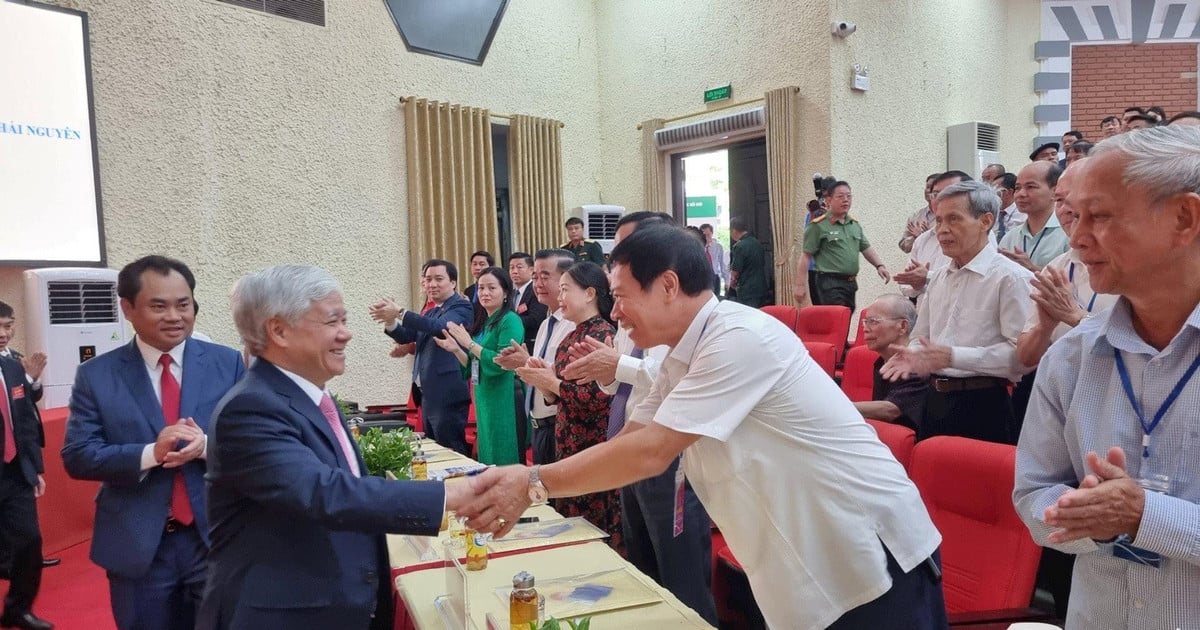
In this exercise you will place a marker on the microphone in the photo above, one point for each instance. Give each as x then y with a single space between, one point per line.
817 180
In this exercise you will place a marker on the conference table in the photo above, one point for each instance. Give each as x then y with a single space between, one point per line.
420 571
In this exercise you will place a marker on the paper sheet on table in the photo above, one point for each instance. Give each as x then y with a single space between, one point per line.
546 533
580 595
454 471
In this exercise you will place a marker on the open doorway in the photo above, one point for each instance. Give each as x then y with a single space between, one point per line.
713 185
503 205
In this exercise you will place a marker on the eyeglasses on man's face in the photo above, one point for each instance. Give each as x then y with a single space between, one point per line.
875 321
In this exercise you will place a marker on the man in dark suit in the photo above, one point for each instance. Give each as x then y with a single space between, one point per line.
138 424
440 388
480 260
525 303
297 523
20 484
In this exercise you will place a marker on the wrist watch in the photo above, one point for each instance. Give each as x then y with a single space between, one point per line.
537 490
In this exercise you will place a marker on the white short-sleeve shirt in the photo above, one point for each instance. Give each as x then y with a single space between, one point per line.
799 484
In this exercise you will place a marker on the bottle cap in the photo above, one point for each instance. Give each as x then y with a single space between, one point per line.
523 579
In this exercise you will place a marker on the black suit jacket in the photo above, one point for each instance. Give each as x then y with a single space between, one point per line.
532 318
35 394
24 419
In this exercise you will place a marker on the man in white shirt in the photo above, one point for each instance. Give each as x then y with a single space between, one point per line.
920 220
1010 217
716 257
548 266
1040 239
770 444
967 324
926 254
667 532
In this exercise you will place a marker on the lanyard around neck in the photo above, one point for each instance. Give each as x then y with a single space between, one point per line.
1147 429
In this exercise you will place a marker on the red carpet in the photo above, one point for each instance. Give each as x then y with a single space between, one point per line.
74 594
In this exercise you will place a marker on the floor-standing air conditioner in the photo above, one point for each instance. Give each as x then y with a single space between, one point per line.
72 315
970 147
601 223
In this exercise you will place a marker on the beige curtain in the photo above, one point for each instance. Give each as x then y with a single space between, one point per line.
535 182
654 181
451 185
783 186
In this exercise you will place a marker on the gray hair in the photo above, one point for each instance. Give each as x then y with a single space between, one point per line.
981 197
284 291
1164 160
899 306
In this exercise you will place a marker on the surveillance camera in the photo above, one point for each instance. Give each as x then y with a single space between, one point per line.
843 29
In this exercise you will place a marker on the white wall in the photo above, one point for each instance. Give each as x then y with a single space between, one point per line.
234 140
933 63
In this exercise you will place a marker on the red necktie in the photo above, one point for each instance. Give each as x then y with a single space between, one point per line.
10 442
181 507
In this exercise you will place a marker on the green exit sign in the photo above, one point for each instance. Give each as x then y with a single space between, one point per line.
718 93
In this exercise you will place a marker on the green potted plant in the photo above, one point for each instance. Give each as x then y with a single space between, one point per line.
387 451
554 624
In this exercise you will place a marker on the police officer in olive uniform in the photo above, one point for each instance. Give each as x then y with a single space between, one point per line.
833 241
582 248
747 266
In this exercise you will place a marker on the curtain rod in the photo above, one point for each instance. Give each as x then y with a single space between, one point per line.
490 113
715 109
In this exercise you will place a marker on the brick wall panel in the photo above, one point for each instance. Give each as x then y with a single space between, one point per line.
1107 79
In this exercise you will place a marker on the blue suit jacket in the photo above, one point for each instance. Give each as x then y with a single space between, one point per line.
442 384
114 415
297 539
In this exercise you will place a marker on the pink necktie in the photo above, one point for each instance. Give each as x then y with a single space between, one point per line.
329 410
10 441
181 506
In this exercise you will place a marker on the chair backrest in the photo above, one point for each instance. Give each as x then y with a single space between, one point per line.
828 324
989 560
858 335
858 374
824 354
786 314
896 437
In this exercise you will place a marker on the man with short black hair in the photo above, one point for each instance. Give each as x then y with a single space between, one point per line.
524 303
438 384
926 255
920 220
834 241
1140 121
582 248
1069 139
1128 115
716 256
990 173
747 265
1010 218
139 424
1110 126
480 260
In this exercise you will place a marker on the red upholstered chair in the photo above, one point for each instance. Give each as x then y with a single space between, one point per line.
898 438
858 374
789 315
824 354
989 560
858 336
827 324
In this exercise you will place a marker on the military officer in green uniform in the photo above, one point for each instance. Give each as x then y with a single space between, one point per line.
581 247
834 241
747 265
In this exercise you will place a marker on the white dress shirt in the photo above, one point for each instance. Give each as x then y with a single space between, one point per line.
639 373
1081 289
150 357
979 311
561 330
799 484
1012 217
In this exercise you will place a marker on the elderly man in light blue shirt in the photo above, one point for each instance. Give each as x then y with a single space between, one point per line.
1108 465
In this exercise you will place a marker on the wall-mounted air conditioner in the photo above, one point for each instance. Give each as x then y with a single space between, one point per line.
600 223
72 315
970 147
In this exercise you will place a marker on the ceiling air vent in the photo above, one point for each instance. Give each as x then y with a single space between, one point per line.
725 127
310 11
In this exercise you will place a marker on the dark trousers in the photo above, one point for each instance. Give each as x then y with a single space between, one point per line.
982 414
168 595
23 537
914 602
1020 400
682 564
522 419
543 441
836 289
814 291
448 426
716 284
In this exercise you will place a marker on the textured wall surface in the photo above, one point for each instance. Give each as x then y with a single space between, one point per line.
1107 79
658 56
933 63
236 140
